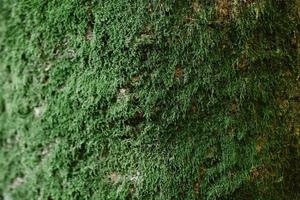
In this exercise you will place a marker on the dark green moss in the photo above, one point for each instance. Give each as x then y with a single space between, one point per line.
147 99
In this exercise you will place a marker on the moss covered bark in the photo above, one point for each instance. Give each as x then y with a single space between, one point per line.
149 99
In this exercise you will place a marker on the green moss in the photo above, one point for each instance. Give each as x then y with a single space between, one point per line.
147 99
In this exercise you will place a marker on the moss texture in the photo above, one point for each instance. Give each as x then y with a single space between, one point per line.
148 99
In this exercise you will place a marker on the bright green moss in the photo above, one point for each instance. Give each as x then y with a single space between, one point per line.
147 99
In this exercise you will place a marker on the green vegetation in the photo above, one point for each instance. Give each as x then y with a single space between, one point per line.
148 99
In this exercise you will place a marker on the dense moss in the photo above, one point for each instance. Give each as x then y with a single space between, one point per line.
148 99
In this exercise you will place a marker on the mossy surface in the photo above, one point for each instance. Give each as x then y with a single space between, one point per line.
148 99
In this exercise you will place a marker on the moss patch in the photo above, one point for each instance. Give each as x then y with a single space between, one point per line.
148 99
